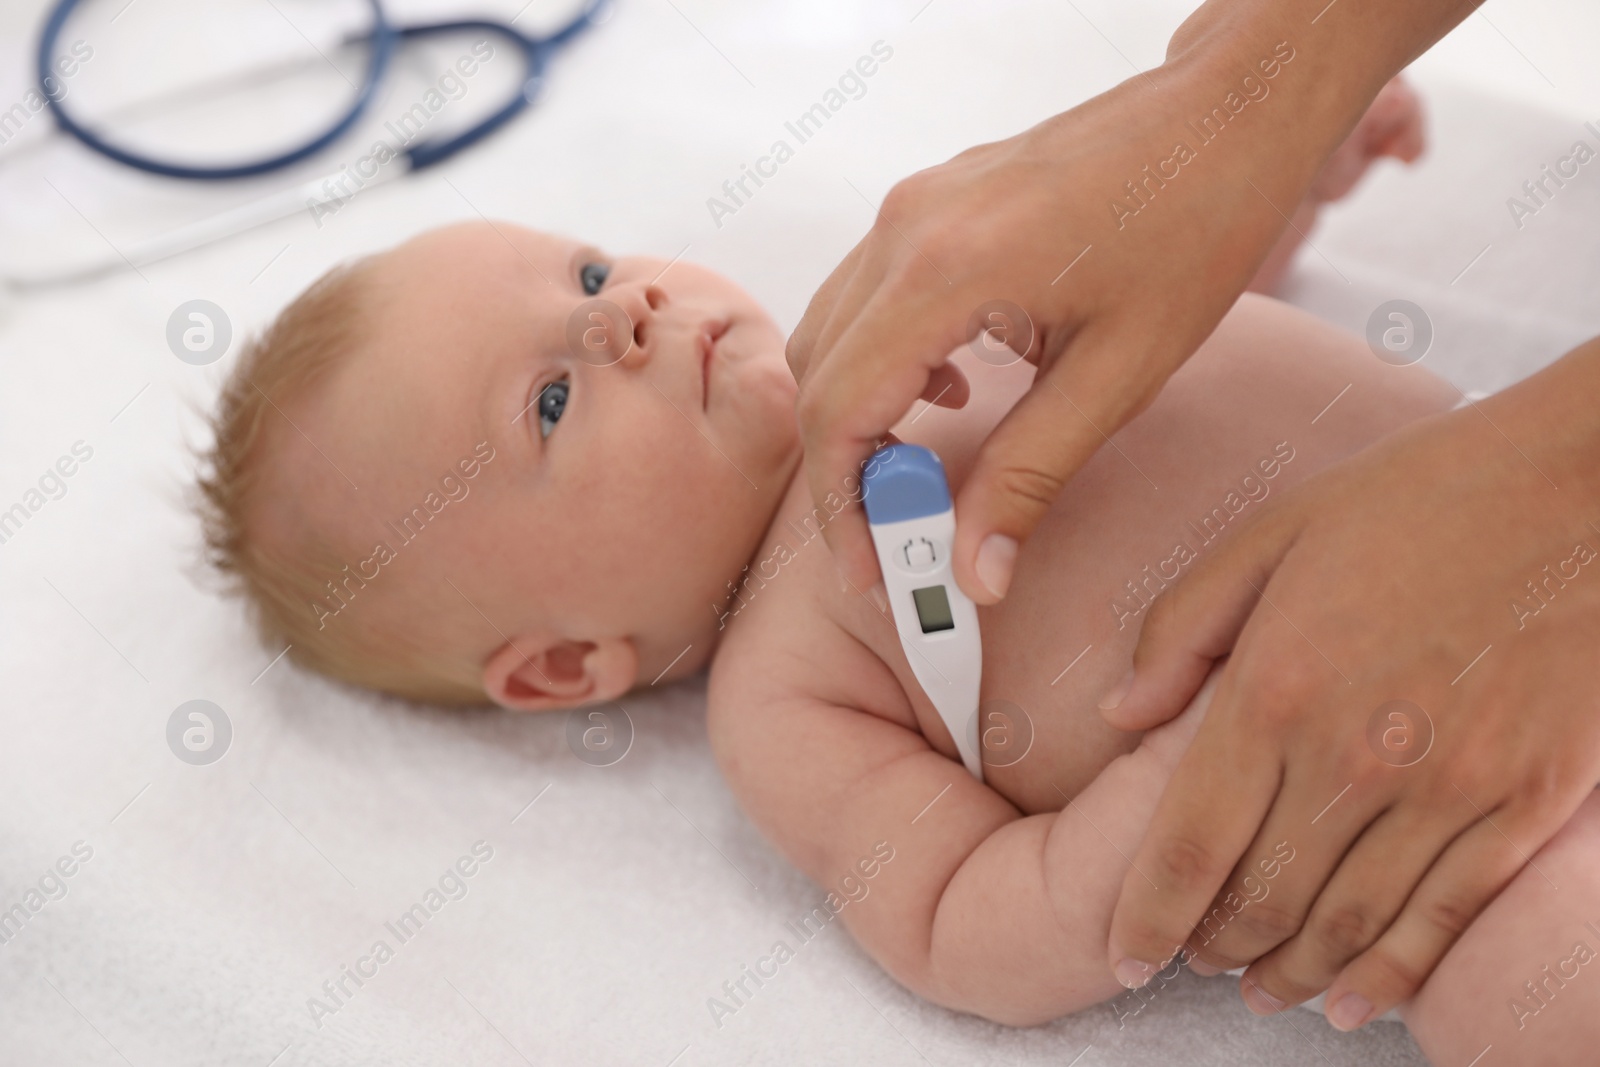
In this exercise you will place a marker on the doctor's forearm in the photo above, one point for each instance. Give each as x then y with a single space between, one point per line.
1342 53
1355 45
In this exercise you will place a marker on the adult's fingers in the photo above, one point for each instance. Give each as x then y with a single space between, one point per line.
802 347
1281 873
876 264
1198 620
1078 398
947 387
1358 903
1471 873
1227 781
852 397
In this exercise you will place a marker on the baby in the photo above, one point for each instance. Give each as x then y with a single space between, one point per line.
452 473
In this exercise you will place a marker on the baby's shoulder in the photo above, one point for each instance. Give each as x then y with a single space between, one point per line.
788 637
806 657
786 646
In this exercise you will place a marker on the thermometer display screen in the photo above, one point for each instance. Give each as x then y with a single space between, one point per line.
933 609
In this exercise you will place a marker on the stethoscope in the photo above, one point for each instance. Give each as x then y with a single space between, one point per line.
385 37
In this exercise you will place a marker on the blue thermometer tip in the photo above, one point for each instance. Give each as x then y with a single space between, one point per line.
904 482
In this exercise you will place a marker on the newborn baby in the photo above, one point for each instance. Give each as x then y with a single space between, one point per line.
427 488
448 473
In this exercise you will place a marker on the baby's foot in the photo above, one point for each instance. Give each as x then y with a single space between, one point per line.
1392 126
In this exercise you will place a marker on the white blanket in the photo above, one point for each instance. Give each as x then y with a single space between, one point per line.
210 909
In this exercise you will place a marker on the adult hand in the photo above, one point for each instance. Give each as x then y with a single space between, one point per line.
1118 233
1455 567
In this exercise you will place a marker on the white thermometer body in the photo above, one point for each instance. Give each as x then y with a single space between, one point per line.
913 525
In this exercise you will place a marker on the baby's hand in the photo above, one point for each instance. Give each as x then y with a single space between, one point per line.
1170 740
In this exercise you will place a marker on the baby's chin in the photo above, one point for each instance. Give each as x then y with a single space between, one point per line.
754 396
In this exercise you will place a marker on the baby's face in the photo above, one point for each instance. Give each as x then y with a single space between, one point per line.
631 478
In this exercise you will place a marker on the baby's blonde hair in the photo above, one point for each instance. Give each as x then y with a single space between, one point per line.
282 582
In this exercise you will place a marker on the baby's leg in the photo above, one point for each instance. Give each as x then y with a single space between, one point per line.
1523 982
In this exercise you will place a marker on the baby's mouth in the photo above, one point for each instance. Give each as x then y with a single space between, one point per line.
706 340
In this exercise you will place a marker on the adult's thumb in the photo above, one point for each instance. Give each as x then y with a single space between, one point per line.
1198 621
1020 471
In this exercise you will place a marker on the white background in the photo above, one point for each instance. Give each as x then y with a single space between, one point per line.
219 899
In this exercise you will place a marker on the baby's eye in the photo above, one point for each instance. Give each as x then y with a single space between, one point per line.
593 276
552 402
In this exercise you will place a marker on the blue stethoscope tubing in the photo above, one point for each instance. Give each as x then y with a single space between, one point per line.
385 37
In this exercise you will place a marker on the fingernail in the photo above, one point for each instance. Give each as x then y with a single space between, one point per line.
1202 968
1349 1012
879 597
996 557
1132 973
1117 693
1260 1001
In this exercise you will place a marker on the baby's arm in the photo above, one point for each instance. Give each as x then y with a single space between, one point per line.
981 909
984 910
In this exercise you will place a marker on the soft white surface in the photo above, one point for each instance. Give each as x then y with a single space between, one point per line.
222 897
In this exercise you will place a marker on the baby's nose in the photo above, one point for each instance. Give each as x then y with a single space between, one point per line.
641 303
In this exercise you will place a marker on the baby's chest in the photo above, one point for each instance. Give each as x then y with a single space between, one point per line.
1047 659
797 637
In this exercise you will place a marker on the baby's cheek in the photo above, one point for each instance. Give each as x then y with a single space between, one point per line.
679 522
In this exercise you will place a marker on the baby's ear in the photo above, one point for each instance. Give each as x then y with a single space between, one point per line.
546 673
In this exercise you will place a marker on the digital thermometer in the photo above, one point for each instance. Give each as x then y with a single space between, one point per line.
913 525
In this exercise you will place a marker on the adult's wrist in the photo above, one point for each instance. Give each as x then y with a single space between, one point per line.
1345 52
1366 42
1554 416
1246 90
